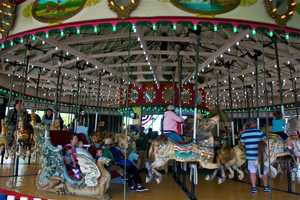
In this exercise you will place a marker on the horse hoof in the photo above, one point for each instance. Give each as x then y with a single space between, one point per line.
230 176
241 177
207 177
158 180
147 179
220 180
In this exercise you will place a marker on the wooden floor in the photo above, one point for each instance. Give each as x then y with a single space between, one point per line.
167 190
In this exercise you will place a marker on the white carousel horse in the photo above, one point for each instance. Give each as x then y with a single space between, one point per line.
276 148
293 129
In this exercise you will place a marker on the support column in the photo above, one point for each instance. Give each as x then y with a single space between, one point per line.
196 90
278 74
257 91
230 105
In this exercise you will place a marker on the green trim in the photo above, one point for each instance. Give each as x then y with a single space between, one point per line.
15 95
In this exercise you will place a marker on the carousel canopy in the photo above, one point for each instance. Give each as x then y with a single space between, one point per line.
240 63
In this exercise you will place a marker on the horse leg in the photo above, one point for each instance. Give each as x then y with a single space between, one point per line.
213 176
231 172
223 176
273 171
241 174
279 169
7 149
150 172
157 176
259 171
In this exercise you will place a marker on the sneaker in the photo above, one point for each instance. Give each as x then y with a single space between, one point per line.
267 189
132 188
140 188
253 190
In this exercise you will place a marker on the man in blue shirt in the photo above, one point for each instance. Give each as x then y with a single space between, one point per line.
250 138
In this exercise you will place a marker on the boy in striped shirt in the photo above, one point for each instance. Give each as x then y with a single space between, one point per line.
250 138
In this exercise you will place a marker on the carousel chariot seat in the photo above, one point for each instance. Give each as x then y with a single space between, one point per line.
63 137
53 175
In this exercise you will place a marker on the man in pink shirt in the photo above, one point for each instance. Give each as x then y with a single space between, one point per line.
170 124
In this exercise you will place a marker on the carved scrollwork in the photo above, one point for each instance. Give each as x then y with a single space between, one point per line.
123 7
281 10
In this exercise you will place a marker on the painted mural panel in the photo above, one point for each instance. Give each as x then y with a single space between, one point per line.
210 7
51 11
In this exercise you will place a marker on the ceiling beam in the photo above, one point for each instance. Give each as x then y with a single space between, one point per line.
228 44
68 72
143 43
79 54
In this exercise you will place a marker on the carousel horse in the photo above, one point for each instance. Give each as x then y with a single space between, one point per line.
270 150
275 148
201 151
24 136
22 140
293 129
125 141
34 122
3 136
97 138
55 126
231 159
53 176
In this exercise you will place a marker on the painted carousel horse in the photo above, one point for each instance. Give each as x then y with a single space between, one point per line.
97 138
275 148
53 176
22 139
3 136
293 129
231 159
163 150
34 122
55 126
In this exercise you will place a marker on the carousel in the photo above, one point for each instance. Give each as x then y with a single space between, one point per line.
149 99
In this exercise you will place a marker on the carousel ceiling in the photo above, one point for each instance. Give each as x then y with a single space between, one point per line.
103 59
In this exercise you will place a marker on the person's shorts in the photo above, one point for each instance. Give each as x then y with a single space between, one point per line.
253 166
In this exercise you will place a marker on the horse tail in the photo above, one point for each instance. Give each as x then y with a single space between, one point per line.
261 155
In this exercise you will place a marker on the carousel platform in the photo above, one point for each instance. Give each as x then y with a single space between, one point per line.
167 190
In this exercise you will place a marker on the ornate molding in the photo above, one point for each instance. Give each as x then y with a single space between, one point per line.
7 17
281 18
123 9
